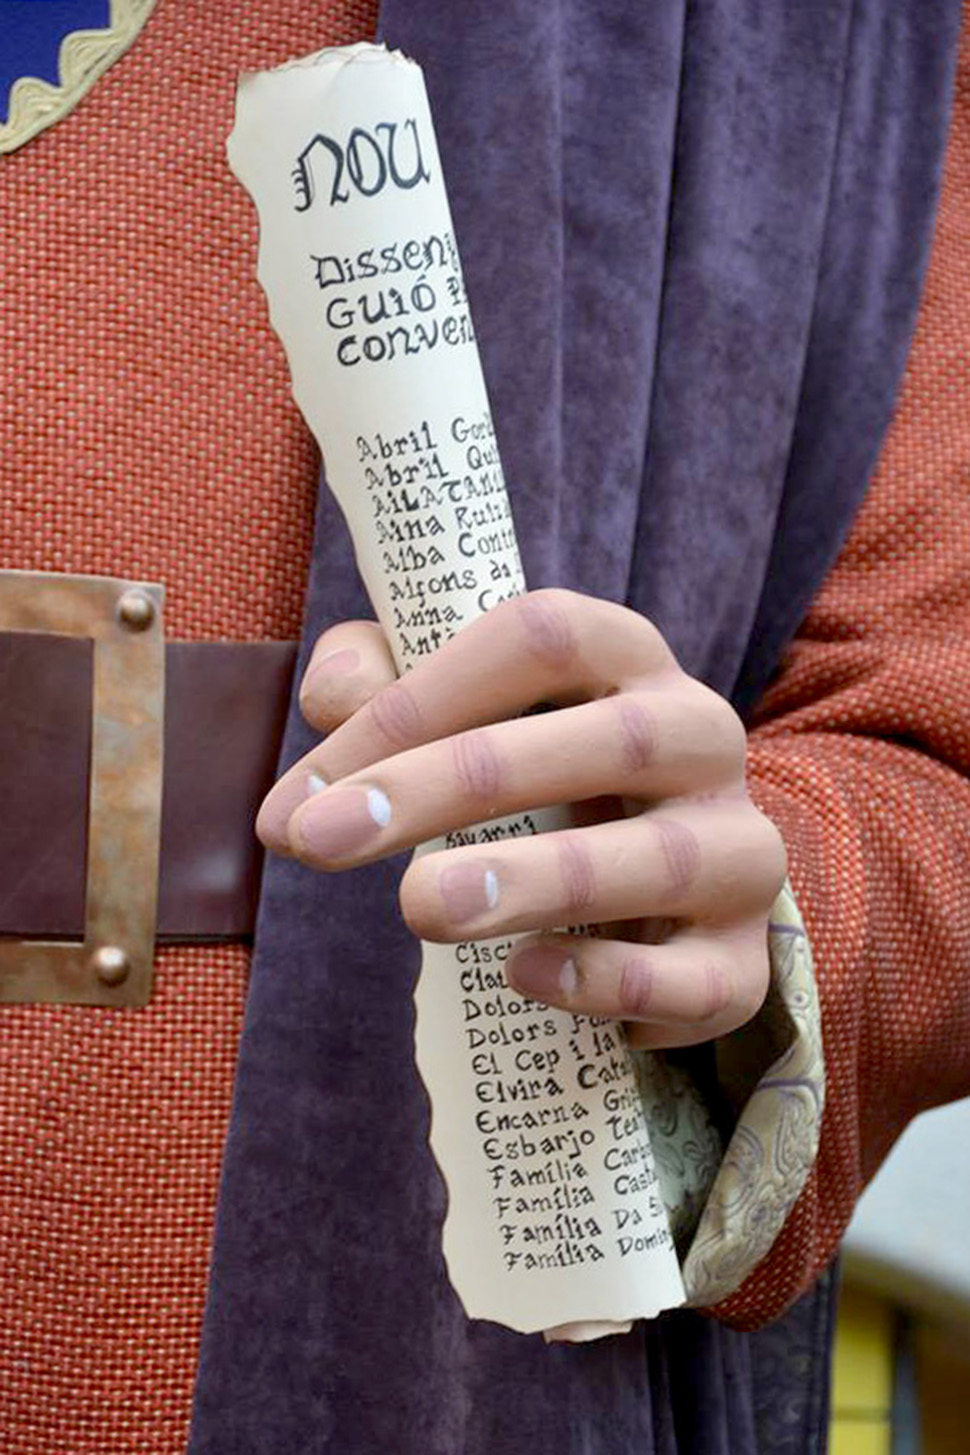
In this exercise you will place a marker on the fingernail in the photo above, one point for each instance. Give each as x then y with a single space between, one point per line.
281 804
334 664
468 890
543 972
344 822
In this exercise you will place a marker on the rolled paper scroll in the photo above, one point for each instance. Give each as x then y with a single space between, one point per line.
555 1215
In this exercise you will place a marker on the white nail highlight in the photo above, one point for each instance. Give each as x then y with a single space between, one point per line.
314 783
569 978
491 888
379 807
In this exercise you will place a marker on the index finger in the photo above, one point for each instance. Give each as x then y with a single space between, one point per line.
543 646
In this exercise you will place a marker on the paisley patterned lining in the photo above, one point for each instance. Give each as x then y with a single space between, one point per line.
725 1211
775 1141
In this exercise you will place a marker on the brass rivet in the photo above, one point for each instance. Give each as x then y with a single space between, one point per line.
136 610
111 965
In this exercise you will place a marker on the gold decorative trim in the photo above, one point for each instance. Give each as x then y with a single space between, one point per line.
83 58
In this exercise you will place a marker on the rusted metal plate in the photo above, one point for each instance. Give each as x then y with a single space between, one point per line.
123 619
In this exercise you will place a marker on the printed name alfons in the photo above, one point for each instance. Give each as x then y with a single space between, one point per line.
418 590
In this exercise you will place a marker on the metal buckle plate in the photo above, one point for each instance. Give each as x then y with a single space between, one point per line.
113 964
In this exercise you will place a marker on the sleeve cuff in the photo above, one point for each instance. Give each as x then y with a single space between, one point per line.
775 1139
727 1207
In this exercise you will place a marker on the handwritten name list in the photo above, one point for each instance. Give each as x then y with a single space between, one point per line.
554 1215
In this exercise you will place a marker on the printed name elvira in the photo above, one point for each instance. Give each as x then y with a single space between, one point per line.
368 160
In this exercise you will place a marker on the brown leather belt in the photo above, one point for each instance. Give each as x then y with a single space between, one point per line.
130 776
225 708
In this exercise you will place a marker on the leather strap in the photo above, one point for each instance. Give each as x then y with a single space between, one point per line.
225 708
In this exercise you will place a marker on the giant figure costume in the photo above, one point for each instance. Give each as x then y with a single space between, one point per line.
694 238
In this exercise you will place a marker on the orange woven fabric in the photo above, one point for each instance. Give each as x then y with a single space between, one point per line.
150 429
862 757
146 428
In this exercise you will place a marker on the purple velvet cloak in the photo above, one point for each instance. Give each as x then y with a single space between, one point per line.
694 235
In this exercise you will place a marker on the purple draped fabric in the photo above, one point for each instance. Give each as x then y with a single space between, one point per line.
694 236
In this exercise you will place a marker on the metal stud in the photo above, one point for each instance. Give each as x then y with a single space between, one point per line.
136 610
111 965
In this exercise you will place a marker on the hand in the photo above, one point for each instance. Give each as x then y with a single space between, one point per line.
669 856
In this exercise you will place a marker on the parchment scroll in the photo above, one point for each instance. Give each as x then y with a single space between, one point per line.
554 1211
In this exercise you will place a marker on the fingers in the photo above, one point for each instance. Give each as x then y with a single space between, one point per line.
409 761
715 865
638 745
547 646
690 989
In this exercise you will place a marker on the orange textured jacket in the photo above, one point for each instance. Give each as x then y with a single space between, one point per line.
861 755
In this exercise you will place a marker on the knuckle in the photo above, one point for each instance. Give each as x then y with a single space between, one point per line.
545 621
397 717
477 765
639 734
681 853
577 874
718 989
635 991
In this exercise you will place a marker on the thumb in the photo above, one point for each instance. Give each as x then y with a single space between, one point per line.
350 663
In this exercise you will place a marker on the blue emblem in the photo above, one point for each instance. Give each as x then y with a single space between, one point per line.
31 32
